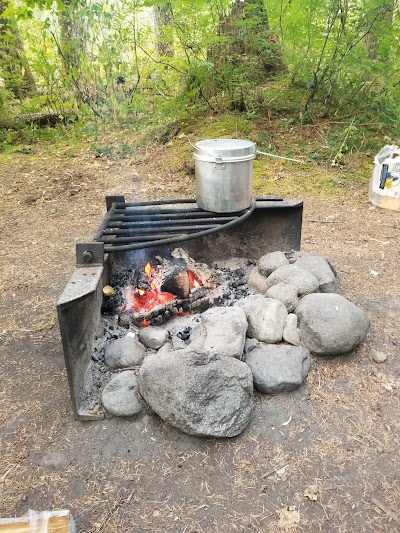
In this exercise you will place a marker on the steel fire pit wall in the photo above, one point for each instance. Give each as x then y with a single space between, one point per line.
272 226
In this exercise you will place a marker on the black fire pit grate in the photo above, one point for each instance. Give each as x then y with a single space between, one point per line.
132 226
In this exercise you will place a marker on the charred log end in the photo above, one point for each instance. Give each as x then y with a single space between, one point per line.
178 285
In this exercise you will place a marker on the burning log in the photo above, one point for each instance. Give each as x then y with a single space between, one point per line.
176 278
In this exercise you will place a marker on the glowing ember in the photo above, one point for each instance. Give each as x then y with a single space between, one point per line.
195 283
145 323
138 300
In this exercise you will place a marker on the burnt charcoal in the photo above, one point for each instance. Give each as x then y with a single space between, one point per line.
111 328
239 272
238 283
218 301
157 321
185 333
198 293
122 321
109 306
186 306
201 305
167 315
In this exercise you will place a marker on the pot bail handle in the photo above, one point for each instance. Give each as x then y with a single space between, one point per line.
279 157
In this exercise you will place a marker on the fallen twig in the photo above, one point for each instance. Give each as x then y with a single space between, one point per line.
388 512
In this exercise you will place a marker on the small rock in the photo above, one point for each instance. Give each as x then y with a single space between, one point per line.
250 344
265 318
278 368
153 337
377 356
54 461
290 331
120 396
270 262
285 293
177 344
256 281
305 282
124 352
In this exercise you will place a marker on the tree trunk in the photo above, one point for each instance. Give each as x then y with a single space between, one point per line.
378 23
247 28
163 18
71 39
14 63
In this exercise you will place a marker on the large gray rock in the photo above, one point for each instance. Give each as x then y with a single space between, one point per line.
153 337
124 352
256 281
265 318
319 267
278 368
285 293
305 282
222 331
198 393
270 262
329 324
120 396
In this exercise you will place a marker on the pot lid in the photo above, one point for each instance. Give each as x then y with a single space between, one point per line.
226 147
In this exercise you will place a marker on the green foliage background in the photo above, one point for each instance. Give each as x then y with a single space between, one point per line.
336 59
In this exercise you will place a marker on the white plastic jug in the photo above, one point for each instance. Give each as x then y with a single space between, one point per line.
384 187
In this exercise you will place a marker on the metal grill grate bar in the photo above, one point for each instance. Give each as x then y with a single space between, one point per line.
130 226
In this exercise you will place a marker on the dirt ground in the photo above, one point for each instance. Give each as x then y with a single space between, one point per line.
324 458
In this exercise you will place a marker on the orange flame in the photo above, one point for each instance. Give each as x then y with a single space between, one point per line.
154 276
195 282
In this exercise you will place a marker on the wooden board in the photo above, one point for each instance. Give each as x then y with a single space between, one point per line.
56 522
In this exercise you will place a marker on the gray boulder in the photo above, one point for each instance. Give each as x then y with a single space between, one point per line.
222 331
265 318
320 268
305 282
153 337
256 281
278 368
120 396
270 262
200 394
124 352
290 331
329 324
285 293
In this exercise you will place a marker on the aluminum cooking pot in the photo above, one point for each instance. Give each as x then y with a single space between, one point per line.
224 172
